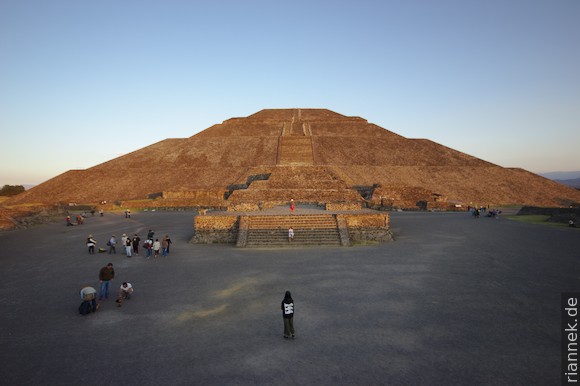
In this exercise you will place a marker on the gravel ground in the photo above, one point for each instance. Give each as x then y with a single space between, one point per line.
452 301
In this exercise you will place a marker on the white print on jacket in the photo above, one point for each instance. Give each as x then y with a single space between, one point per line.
288 308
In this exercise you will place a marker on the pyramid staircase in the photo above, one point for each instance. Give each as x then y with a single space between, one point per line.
272 231
280 183
295 151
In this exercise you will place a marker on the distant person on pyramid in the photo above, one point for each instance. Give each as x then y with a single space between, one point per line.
292 205
290 234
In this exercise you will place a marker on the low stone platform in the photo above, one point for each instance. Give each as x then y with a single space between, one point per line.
312 227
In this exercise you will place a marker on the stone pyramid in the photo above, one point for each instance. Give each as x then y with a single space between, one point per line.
310 155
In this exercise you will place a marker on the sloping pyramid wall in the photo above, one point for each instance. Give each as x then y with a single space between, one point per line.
312 155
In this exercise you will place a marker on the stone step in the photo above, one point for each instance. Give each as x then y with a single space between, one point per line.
290 245
296 227
309 230
296 224
305 234
283 242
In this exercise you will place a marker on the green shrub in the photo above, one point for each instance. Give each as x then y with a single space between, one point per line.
11 190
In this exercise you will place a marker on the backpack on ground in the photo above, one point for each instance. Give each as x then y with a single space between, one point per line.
85 307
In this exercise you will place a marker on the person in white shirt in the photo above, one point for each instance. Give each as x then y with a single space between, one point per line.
290 234
91 244
156 247
125 290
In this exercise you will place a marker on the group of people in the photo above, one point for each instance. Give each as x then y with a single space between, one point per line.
107 274
131 245
156 247
476 212
80 218
89 294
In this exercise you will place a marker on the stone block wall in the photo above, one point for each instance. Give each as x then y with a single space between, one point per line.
368 227
343 206
352 228
215 229
199 194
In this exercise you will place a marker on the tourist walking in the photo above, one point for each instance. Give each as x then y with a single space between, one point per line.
292 205
91 244
290 234
106 274
164 246
156 248
169 242
287 307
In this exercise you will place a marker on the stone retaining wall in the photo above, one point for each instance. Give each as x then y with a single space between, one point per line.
534 210
215 229
368 227
344 206
353 228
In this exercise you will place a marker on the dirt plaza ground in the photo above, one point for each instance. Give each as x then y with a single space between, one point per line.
452 301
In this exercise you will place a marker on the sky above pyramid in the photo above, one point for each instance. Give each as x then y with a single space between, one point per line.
493 79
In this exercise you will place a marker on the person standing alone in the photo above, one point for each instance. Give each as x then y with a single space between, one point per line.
105 276
287 307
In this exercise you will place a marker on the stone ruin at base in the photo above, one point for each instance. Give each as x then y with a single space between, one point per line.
311 227
314 156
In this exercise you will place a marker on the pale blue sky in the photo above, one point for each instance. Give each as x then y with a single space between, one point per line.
84 81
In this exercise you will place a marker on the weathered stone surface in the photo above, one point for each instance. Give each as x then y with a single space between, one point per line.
369 227
311 155
348 227
215 229
333 206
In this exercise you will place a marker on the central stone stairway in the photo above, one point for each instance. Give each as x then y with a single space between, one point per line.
309 230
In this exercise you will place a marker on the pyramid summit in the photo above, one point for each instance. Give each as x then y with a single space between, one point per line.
310 155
